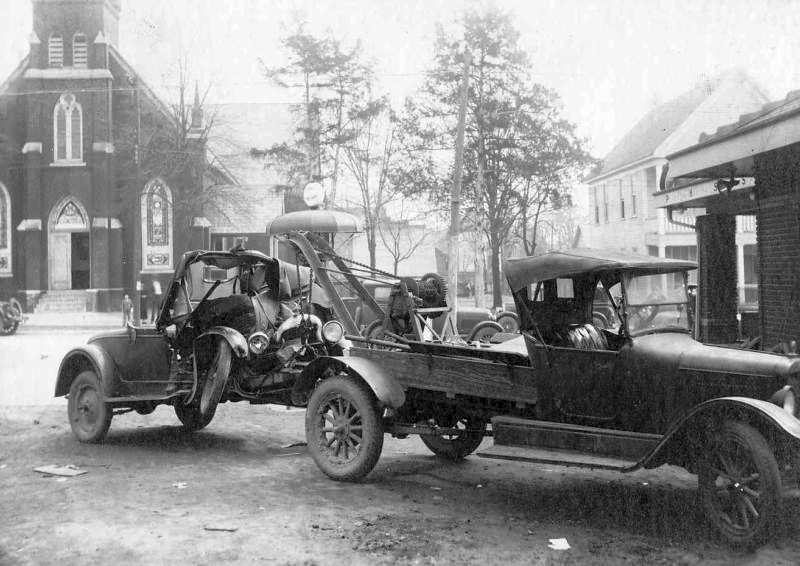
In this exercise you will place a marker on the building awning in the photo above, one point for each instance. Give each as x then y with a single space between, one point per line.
731 153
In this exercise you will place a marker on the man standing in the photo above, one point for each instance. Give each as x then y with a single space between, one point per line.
155 298
127 310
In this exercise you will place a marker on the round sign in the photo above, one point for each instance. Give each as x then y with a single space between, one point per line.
314 195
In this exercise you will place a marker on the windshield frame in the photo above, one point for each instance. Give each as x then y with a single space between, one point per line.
651 314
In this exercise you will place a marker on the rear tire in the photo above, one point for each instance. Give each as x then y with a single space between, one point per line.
740 485
458 446
344 428
89 415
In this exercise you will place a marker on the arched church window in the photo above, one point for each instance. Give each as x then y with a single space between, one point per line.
80 50
55 51
5 231
68 130
157 226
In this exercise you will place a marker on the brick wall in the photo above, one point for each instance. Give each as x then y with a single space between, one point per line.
778 230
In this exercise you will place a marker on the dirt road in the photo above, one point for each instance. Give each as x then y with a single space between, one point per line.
241 493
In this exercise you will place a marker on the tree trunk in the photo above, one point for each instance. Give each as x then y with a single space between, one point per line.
480 270
497 290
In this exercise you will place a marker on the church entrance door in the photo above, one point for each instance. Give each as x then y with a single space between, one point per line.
68 250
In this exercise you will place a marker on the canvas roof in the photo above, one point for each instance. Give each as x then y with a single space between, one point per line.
569 263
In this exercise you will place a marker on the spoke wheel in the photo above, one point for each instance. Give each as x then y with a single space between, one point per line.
374 331
483 331
509 321
214 380
344 429
89 415
190 416
459 445
740 485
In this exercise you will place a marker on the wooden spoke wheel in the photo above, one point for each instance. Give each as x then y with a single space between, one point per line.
344 428
740 485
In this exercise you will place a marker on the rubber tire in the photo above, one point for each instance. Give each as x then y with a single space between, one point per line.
360 396
483 331
218 372
89 423
763 461
509 321
459 447
374 330
190 416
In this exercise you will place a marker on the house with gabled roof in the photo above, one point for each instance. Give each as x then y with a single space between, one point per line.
622 213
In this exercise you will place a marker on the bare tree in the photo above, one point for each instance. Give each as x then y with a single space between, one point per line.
400 236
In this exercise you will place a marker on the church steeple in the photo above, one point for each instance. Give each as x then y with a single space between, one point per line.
196 125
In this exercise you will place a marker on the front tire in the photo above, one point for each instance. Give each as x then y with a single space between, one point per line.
191 418
740 485
460 445
89 415
344 428
215 378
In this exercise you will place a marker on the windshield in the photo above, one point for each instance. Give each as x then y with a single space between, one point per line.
656 303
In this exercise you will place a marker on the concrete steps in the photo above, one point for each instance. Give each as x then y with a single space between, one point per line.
62 301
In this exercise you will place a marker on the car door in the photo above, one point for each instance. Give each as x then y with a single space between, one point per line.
143 358
580 371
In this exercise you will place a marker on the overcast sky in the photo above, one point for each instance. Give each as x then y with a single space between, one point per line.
609 60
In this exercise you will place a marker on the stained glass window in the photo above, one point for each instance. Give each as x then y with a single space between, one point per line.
157 215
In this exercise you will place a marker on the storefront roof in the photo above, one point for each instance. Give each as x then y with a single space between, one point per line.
730 151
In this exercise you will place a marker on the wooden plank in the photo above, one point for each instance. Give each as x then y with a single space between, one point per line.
557 457
457 375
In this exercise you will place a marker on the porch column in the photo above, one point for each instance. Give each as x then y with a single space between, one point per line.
716 278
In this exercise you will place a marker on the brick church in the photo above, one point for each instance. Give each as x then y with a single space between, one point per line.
101 183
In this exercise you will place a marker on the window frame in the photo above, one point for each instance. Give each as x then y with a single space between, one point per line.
56 40
85 43
68 104
6 253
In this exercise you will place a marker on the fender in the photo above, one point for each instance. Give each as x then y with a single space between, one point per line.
237 342
79 358
682 432
387 390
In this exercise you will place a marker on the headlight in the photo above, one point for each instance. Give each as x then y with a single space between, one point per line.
258 342
332 331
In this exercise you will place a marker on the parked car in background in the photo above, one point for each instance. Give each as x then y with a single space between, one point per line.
10 316
468 316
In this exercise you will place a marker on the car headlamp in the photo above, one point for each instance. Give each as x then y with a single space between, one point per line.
332 331
258 343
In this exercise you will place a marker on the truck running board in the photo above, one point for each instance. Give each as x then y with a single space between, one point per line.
571 443
556 457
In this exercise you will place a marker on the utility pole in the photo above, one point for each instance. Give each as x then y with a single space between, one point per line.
455 203
137 220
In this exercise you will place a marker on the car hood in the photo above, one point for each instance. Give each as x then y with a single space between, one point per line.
690 355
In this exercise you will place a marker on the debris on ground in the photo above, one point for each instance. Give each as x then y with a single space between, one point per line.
180 485
559 544
295 444
55 470
221 529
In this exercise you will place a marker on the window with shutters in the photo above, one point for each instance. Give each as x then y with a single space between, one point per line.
55 51
80 51
68 131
